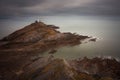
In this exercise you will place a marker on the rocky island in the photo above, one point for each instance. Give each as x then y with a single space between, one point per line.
38 36
17 52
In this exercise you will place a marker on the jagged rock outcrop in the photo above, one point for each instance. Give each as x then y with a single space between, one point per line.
61 69
19 61
38 36
17 49
99 67
31 33
50 68
56 69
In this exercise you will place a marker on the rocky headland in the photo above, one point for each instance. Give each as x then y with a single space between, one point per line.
38 36
19 58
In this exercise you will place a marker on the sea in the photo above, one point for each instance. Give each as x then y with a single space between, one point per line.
105 28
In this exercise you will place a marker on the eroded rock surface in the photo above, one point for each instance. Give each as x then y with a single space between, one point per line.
38 36
19 58
61 69
18 49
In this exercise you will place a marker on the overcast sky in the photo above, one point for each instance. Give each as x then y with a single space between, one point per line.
22 8
17 13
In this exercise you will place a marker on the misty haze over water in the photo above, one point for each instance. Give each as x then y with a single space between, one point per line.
106 29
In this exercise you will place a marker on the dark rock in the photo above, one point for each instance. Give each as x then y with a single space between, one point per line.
93 39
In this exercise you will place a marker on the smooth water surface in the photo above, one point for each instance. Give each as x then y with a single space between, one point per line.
105 29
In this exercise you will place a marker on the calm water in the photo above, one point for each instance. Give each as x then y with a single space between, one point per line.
106 29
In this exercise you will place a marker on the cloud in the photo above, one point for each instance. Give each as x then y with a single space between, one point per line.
14 8
20 3
106 7
18 8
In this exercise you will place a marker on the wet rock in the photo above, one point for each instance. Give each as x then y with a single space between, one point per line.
93 39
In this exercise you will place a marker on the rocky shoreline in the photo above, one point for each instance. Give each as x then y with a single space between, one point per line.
38 36
19 57
50 68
